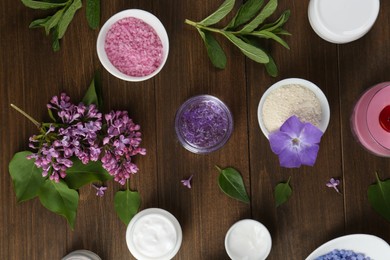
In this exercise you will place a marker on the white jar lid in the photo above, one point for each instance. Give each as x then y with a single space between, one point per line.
342 21
81 255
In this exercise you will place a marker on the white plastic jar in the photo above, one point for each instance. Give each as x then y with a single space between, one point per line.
154 234
342 21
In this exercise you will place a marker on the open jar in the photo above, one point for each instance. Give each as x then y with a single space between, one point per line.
370 120
203 124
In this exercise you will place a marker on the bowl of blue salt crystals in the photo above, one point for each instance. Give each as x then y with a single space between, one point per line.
352 247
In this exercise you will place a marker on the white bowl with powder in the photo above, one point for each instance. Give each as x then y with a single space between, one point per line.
133 45
292 96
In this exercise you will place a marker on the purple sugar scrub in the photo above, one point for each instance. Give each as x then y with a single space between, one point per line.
203 124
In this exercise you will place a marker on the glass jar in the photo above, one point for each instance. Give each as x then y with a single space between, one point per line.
370 120
203 124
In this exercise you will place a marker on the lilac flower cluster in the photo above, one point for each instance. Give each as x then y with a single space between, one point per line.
78 132
343 254
121 143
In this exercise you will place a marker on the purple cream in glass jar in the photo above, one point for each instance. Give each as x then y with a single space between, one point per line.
203 124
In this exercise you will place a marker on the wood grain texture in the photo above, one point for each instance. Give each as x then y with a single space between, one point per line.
31 73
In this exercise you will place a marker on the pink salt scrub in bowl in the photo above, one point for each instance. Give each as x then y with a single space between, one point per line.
133 45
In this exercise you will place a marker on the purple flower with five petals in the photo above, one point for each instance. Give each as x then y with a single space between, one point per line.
99 190
296 143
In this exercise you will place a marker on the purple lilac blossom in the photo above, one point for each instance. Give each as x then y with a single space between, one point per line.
121 143
99 190
333 183
204 124
296 143
76 134
187 182
343 254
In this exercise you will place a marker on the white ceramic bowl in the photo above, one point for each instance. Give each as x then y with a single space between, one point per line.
148 18
248 239
148 232
372 246
304 83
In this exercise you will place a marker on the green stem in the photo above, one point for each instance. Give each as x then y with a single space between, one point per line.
127 184
35 122
199 26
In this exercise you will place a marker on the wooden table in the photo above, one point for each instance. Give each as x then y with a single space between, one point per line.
31 73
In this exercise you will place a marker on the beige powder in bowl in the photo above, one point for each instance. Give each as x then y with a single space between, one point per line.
288 100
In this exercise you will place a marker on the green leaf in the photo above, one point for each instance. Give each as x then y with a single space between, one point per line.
39 22
127 204
53 21
379 197
93 13
271 67
55 41
270 35
93 94
231 183
80 174
278 23
266 12
58 198
246 12
42 5
27 178
250 51
51 115
282 193
67 17
214 50
219 14
280 31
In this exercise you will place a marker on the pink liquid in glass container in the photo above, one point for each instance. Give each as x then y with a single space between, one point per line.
370 121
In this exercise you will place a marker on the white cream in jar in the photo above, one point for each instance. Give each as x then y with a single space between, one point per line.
248 240
154 234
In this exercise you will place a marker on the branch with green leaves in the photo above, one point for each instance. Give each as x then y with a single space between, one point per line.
246 30
64 11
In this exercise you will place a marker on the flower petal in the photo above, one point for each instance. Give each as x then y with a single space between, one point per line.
308 154
311 134
289 158
279 141
292 126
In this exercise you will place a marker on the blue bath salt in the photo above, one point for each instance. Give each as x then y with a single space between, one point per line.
343 255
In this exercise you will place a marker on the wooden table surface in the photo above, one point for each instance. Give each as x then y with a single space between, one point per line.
31 73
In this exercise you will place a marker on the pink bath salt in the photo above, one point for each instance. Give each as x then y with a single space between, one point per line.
133 47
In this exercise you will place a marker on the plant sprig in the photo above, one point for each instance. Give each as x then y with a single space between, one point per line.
57 23
245 30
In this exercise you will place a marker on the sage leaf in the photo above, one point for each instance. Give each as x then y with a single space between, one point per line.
250 51
266 12
67 17
27 178
53 21
58 198
39 22
271 67
219 14
92 10
127 204
94 93
282 193
379 197
278 23
81 174
42 5
246 12
214 50
270 35
232 184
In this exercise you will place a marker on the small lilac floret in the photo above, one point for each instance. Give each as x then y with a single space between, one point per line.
99 190
333 183
296 143
187 182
